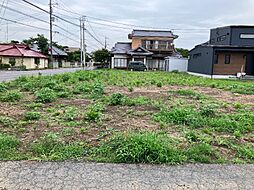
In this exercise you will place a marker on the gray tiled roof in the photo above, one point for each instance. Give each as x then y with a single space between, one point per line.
56 51
140 51
121 48
153 33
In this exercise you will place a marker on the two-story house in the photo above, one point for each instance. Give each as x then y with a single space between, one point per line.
229 51
149 46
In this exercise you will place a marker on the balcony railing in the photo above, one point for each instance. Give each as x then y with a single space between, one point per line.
158 47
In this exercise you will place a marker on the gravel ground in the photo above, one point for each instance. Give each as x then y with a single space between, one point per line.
79 176
12 75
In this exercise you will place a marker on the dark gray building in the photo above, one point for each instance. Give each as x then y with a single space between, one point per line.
229 51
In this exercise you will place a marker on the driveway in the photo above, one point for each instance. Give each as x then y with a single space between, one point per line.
90 176
12 75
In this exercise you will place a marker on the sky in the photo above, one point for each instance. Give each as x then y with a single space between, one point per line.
189 19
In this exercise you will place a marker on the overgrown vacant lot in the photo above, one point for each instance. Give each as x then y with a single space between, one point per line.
127 117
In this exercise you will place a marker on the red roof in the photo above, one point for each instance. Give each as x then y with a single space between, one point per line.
19 50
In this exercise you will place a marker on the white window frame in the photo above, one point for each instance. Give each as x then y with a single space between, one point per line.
247 36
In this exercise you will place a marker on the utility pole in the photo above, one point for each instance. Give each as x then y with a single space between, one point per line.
84 41
106 44
51 32
7 32
81 41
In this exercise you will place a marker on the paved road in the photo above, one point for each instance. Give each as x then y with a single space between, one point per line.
90 176
12 75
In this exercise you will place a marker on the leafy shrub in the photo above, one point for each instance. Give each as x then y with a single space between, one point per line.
140 148
45 95
11 96
29 116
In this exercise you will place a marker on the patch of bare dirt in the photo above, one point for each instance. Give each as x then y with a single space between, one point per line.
123 119
71 102
156 92
14 111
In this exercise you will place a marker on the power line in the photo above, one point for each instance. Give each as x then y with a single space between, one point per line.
4 9
24 24
92 30
14 10
62 19
32 4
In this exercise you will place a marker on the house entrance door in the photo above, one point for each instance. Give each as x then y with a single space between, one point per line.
249 67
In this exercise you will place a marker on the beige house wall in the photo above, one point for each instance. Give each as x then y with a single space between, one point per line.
28 62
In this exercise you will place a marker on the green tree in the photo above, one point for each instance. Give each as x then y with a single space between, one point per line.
41 41
102 56
14 42
75 56
183 52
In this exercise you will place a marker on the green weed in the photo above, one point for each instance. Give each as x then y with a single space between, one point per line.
11 96
45 95
94 113
202 153
8 147
50 147
7 121
31 116
140 148
3 87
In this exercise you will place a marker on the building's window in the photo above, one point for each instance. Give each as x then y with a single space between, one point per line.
227 59
12 61
247 36
37 61
120 62
195 56
216 61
